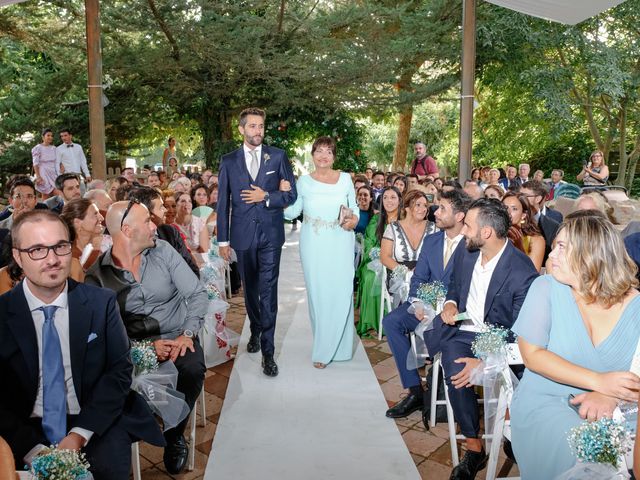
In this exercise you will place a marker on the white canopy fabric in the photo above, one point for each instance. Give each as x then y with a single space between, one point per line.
569 12
4 3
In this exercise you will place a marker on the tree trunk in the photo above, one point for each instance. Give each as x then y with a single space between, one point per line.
622 167
215 127
402 139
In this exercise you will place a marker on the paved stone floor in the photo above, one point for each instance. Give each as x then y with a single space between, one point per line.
430 449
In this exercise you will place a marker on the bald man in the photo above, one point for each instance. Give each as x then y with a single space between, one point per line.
154 285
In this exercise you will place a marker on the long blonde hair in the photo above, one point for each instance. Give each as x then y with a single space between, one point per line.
598 256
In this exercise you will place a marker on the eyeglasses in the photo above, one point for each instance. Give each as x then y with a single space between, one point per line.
38 253
132 202
28 196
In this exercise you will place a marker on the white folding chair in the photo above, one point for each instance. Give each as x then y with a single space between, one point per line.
135 461
227 271
502 426
385 300
514 359
435 377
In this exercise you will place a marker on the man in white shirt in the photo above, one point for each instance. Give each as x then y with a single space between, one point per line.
70 157
64 359
489 285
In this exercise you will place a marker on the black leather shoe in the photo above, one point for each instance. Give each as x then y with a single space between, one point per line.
405 407
254 344
269 367
508 450
175 455
469 466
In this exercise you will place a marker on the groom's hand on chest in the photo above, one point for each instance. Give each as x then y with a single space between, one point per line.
255 195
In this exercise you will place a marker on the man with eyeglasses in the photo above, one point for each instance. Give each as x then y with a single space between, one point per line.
160 300
64 359
22 198
548 220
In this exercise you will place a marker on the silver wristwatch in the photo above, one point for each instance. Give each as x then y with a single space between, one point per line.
187 333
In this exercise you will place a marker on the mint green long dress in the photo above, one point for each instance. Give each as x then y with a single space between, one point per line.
368 298
326 251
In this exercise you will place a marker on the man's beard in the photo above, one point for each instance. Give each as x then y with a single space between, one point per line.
253 141
474 243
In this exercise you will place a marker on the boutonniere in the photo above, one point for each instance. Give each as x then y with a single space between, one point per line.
267 157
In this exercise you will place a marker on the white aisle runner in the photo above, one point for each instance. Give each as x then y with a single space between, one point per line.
305 423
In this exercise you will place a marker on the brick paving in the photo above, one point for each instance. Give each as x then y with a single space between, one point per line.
430 450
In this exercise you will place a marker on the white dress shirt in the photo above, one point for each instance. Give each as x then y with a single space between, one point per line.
72 158
248 158
61 321
480 280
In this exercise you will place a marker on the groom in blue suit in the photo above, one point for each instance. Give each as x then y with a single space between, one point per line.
251 221
437 249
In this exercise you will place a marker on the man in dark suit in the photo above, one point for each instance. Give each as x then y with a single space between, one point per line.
64 359
548 220
434 264
489 283
511 181
251 221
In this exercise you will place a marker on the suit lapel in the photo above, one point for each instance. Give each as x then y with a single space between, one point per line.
80 320
242 165
498 278
21 325
439 260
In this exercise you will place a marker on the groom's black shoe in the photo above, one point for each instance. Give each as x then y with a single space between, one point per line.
269 367
405 407
175 455
469 466
254 343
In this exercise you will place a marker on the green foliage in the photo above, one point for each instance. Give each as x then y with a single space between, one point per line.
296 129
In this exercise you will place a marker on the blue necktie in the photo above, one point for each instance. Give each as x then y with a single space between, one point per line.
54 415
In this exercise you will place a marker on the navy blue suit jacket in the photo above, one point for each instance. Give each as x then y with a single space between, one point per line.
632 245
101 368
507 290
237 220
430 266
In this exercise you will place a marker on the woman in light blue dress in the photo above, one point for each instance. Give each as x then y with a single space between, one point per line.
577 331
326 250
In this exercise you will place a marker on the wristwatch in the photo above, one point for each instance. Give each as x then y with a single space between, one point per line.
266 197
187 333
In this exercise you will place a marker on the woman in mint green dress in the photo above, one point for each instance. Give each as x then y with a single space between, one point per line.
577 331
326 251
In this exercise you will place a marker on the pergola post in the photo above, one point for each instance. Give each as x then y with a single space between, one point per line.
96 109
467 90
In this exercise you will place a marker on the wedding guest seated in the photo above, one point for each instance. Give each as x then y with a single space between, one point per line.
112 186
122 193
448 185
85 225
489 283
538 176
400 183
368 297
493 191
434 264
360 181
494 177
193 228
364 197
22 199
524 233
577 333
439 183
151 198
412 181
199 200
595 200
64 358
402 240
100 199
10 273
160 299
548 220
430 189
473 189
595 173
68 184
